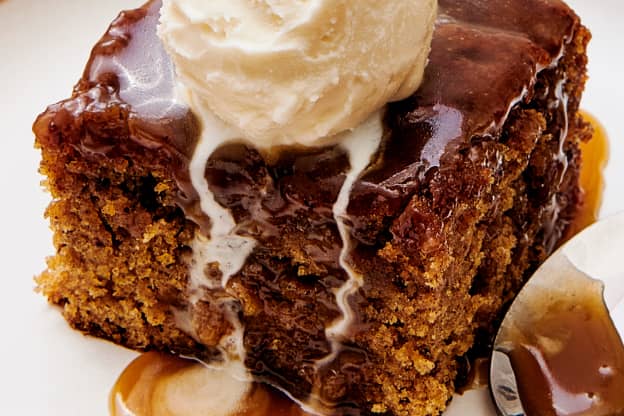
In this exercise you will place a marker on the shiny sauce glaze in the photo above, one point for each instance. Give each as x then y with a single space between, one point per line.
428 129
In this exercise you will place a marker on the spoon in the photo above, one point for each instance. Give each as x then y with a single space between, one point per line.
558 351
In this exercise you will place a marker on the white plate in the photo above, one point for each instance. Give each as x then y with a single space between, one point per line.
49 369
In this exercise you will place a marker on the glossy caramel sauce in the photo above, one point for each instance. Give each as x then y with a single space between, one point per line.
595 155
158 384
571 360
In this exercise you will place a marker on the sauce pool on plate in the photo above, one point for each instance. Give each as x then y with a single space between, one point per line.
158 384
595 154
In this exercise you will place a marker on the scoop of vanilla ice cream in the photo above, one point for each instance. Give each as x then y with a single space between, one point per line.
297 72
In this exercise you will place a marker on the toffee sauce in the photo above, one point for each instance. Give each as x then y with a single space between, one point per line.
595 154
157 384
571 361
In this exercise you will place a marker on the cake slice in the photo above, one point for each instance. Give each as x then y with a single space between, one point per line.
474 184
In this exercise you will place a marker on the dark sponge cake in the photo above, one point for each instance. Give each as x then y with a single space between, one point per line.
474 185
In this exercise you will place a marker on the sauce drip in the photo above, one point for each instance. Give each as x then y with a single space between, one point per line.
556 387
477 375
570 361
595 155
158 384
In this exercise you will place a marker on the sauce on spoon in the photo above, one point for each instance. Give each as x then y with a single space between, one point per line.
569 361
558 353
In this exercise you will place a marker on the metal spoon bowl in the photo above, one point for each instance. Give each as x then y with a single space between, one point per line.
569 276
